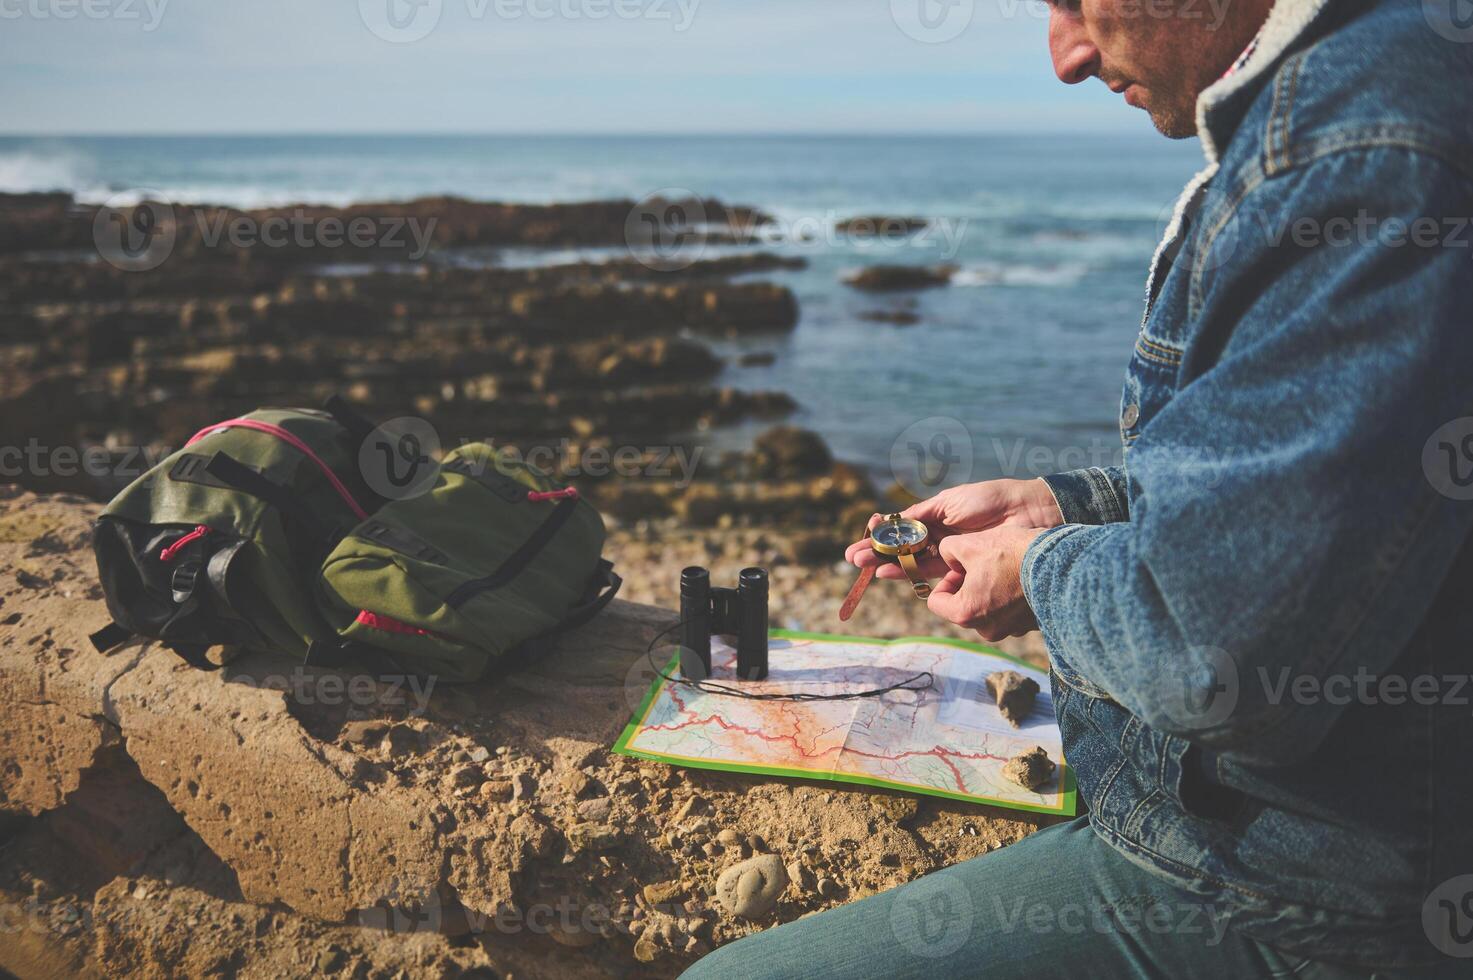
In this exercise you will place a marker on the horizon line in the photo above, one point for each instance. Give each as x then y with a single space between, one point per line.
571 134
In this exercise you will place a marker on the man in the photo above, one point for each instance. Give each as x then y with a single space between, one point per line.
1261 626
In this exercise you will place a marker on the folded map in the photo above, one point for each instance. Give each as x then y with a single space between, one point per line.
948 740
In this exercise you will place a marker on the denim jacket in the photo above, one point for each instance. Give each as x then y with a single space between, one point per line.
1236 616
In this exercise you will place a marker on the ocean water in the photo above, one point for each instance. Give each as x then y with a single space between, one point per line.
1013 370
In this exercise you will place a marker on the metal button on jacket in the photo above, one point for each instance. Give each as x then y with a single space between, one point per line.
1130 416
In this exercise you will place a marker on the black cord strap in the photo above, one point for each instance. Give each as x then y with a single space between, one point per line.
725 690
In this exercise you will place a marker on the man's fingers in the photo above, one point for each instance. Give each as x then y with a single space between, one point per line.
949 604
950 582
856 552
925 510
948 548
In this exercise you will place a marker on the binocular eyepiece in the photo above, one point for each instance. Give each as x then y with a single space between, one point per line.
741 612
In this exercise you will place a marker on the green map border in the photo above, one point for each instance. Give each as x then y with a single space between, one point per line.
1068 801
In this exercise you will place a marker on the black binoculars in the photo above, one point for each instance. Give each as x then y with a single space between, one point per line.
739 612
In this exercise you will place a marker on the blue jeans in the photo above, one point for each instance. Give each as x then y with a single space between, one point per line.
1061 903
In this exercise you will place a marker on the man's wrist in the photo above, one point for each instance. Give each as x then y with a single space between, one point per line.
1043 505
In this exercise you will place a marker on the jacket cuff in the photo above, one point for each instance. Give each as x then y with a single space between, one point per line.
1089 496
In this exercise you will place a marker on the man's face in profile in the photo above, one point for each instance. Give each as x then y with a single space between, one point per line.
1158 54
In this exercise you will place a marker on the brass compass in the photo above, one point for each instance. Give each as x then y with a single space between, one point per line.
897 540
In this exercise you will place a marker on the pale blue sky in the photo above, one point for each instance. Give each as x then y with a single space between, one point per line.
274 66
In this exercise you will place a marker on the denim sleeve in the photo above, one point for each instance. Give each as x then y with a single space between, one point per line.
1296 503
1095 495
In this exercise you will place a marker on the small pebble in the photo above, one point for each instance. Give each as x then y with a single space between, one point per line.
497 790
1030 770
750 888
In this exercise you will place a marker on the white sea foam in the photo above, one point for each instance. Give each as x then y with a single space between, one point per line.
45 169
999 274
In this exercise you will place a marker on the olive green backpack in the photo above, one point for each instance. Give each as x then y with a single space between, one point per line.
268 532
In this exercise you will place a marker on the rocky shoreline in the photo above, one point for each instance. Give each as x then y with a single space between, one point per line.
578 362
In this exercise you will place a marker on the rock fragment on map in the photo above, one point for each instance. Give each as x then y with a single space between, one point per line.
1014 694
1031 769
751 888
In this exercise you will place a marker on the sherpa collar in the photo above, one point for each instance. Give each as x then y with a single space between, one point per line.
1286 23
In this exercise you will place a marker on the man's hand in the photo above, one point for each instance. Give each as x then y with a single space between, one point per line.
982 588
966 509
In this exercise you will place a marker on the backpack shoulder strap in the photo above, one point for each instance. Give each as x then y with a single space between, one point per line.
603 587
110 636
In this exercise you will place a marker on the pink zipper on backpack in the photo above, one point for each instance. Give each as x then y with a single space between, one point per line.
539 496
172 551
295 443
388 624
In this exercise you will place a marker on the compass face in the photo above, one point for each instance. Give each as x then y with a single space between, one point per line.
900 534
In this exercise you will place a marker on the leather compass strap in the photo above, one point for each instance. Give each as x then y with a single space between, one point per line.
856 592
851 601
913 572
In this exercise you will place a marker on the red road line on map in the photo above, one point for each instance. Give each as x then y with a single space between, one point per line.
941 754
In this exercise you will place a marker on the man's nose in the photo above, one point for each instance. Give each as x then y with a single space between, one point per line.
1075 56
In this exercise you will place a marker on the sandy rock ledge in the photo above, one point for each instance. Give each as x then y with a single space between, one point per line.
269 820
